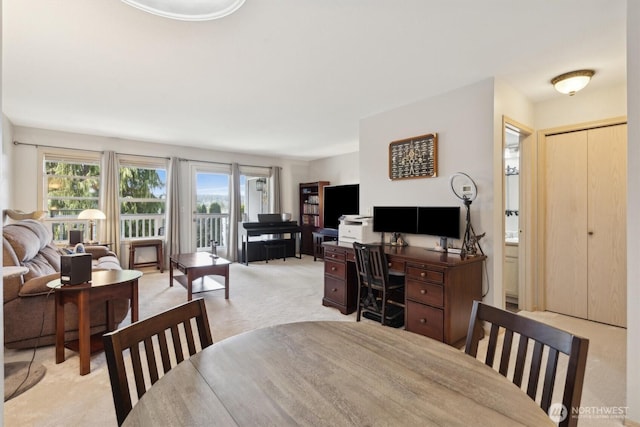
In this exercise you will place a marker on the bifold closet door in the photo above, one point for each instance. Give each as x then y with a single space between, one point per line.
607 219
585 224
565 242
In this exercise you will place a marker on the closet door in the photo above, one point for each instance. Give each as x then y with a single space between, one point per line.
565 216
607 210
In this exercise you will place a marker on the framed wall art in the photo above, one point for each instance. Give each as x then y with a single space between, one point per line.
415 157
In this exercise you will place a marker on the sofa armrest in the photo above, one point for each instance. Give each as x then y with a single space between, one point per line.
98 251
37 285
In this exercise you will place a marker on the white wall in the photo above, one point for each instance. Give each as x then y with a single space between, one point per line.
463 120
6 168
633 207
338 170
585 106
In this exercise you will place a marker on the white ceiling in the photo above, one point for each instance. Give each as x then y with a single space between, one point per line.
286 78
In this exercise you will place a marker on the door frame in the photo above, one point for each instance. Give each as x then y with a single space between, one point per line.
542 195
194 169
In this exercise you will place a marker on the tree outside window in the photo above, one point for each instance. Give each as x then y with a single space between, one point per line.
143 193
71 187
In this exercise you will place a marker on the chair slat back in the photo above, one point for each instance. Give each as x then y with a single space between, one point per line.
543 336
146 332
371 264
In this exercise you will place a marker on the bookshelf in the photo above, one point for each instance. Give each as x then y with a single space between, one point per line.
311 205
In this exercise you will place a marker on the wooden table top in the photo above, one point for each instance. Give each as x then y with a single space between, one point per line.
334 374
101 278
198 259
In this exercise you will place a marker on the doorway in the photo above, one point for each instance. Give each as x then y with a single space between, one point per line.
516 145
210 204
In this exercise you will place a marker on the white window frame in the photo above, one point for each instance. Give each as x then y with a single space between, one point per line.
144 163
69 156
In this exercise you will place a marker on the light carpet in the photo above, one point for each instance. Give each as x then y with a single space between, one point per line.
261 295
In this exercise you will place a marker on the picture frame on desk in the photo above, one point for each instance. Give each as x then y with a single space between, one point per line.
415 157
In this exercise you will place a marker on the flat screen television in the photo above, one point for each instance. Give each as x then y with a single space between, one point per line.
340 200
395 219
442 221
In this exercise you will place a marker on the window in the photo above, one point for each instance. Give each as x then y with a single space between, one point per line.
71 185
143 198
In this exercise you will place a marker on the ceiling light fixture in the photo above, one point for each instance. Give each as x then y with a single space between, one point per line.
572 82
188 10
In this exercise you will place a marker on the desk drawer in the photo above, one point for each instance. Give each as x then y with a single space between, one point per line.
425 320
422 273
335 290
335 269
395 264
332 253
425 292
351 256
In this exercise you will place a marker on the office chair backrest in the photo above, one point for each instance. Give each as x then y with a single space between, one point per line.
171 352
371 265
556 340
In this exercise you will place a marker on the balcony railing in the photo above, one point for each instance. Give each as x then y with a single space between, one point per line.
208 227
141 226
211 227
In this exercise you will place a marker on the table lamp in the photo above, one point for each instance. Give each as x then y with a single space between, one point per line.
92 215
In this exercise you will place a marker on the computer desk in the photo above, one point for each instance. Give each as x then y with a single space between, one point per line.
439 287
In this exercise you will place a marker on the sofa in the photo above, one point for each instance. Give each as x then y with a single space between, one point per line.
29 305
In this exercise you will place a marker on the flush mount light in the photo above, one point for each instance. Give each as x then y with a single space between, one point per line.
188 10
572 82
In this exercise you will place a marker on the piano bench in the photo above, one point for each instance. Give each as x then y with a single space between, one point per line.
270 245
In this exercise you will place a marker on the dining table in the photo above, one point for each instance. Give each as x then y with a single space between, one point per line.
334 373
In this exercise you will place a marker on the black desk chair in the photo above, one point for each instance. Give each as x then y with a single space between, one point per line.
556 340
376 287
171 352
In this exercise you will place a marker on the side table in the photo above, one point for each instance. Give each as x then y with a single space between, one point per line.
105 286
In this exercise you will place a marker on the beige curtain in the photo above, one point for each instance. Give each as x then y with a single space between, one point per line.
109 230
173 207
275 205
234 213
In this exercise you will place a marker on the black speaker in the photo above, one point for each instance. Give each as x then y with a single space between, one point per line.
75 237
75 269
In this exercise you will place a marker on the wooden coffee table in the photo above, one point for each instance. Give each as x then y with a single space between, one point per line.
198 265
105 286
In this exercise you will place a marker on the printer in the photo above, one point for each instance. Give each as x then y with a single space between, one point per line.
356 228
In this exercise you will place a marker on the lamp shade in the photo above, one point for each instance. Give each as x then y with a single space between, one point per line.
92 214
188 10
572 82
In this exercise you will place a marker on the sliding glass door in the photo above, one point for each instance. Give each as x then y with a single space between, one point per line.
210 207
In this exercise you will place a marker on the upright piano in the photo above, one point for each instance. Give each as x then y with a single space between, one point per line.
273 230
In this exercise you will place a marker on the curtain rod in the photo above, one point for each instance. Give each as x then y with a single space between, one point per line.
84 149
223 163
53 146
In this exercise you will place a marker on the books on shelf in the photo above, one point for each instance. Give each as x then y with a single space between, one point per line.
311 209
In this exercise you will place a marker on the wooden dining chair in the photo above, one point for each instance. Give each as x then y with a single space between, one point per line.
151 333
376 287
542 335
